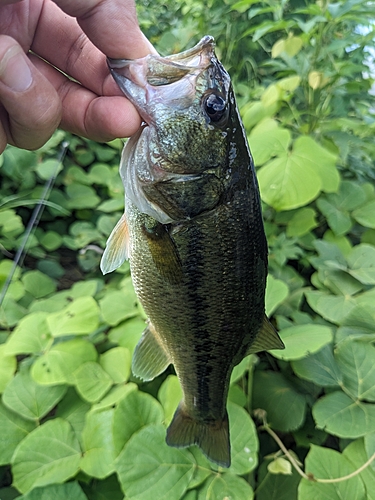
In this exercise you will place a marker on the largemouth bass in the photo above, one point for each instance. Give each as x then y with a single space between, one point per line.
193 232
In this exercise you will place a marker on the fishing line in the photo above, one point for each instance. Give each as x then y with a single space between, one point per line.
34 221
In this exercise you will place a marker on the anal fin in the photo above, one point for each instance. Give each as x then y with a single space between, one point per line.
211 437
267 338
150 359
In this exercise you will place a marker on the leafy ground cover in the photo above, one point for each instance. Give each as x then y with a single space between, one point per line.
74 422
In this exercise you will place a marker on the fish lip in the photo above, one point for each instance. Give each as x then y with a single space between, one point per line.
143 80
205 45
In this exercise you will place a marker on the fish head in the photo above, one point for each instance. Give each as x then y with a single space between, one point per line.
185 101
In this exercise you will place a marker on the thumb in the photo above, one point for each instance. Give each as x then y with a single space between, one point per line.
30 109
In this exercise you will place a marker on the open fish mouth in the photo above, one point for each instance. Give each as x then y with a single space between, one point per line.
154 79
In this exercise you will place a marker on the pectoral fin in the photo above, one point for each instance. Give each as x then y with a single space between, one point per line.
267 339
163 251
117 249
150 359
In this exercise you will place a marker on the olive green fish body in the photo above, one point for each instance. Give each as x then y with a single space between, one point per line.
194 236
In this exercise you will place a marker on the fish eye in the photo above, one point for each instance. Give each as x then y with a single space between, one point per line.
215 108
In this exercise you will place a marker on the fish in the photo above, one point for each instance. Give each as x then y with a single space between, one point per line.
193 233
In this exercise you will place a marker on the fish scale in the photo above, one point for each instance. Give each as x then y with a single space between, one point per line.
193 232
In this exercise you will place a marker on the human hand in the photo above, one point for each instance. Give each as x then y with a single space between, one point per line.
36 98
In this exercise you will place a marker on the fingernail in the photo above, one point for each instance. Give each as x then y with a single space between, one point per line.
14 71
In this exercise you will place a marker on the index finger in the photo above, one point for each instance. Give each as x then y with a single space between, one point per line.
112 26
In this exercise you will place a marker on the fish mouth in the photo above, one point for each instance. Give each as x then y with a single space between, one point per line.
154 79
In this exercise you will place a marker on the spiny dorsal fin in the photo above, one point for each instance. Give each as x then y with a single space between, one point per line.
117 249
150 358
267 338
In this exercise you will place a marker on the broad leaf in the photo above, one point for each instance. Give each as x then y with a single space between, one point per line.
136 410
356 454
244 441
320 368
91 381
301 340
29 399
71 491
14 429
339 415
170 394
117 363
222 486
325 463
356 361
81 317
49 454
361 261
276 292
31 335
59 363
98 446
149 468
8 365
284 405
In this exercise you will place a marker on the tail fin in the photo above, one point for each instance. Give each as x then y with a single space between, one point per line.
212 438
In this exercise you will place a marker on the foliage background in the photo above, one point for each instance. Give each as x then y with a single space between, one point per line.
74 422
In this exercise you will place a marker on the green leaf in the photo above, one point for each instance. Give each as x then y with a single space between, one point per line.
59 363
339 415
280 466
296 178
320 368
49 454
361 261
267 144
365 215
356 454
302 221
107 489
226 486
148 468
331 307
80 196
29 399
8 365
136 410
91 381
118 305
127 334
285 406
98 446
169 395
117 363
325 463
71 491
244 441
277 486
73 409
13 430
31 335
357 363
80 317
339 221
276 292
51 240
38 284
301 340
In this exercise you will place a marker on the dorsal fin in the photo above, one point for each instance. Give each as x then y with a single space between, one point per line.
117 249
267 338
